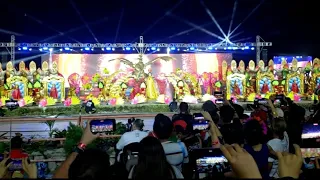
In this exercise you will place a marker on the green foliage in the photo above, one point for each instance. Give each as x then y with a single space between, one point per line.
283 82
4 146
218 84
39 146
6 87
275 83
50 125
73 137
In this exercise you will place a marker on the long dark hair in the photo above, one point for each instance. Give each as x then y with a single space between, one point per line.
152 161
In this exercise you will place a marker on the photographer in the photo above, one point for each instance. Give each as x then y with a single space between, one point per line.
136 134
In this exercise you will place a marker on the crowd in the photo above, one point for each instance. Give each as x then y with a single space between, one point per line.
262 145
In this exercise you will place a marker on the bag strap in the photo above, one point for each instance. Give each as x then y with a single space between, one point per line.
182 149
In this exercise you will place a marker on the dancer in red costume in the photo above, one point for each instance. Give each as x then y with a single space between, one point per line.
294 87
265 88
236 89
16 94
54 92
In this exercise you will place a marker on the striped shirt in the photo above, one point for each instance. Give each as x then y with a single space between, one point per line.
177 153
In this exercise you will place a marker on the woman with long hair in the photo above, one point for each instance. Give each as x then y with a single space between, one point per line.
152 162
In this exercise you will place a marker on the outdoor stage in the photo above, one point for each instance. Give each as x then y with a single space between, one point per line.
103 109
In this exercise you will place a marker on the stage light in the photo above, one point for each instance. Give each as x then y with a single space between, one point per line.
60 49
234 48
113 49
25 48
178 49
210 48
19 49
40 49
252 48
81 49
50 49
148 49
215 48
102 49
173 48
128 49
92 49
67 48
158 49
225 48
242 48
108 49
247 47
229 47
30 49
153 48
45 48
192 48
87 49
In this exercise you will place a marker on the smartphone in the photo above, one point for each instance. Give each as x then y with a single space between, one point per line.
262 101
199 122
219 101
310 152
16 165
218 94
311 131
103 126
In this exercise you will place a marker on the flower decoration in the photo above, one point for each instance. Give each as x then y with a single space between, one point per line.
163 99
119 101
21 103
251 97
296 97
28 100
207 97
113 101
3 100
190 99
75 100
43 102
67 102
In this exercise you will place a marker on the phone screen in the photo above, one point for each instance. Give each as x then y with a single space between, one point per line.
102 126
16 165
209 165
219 101
200 124
310 131
310 152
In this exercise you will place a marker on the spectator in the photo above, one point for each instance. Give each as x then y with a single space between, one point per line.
190 139
16 151
231 129
152 163
135 135
254 146
212 109
183 114
92 164
279 143
176 153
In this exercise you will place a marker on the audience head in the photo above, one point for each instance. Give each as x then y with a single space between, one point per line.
239 109
181 128
212 109
91 164
279 127
184 108
152 160
162 126
16 142
253 132
137 124
226 113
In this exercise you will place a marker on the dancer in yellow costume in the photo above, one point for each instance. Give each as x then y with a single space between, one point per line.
151 90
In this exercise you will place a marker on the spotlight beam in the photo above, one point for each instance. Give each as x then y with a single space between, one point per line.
235 35
233 14
83 21
197 27
119 23
253 11
212 18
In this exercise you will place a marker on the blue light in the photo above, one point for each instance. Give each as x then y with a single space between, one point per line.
40 49
173 48
192 48
25 48
102 49
252 48
158 49
225 48
128 49
210 48
247 47
45 48
108 49
67 48
229 47
113 49
30 49
87 49
234 48
19 49
242 48
153 48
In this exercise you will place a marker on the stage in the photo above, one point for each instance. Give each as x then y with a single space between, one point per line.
103 109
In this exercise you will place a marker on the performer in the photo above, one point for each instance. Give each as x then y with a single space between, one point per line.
54 92
151 89
16 94
294 87
236 89
265 88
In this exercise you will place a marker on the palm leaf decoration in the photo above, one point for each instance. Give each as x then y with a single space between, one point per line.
30 85
218 84
37 84
283 82
6 87
275 83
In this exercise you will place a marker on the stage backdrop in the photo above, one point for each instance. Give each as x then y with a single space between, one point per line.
93 63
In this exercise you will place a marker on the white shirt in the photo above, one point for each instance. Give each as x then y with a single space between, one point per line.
131 137
278 145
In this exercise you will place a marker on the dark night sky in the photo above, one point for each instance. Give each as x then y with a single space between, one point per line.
290 25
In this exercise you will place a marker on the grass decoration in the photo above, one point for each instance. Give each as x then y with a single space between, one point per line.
75 100
28 100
